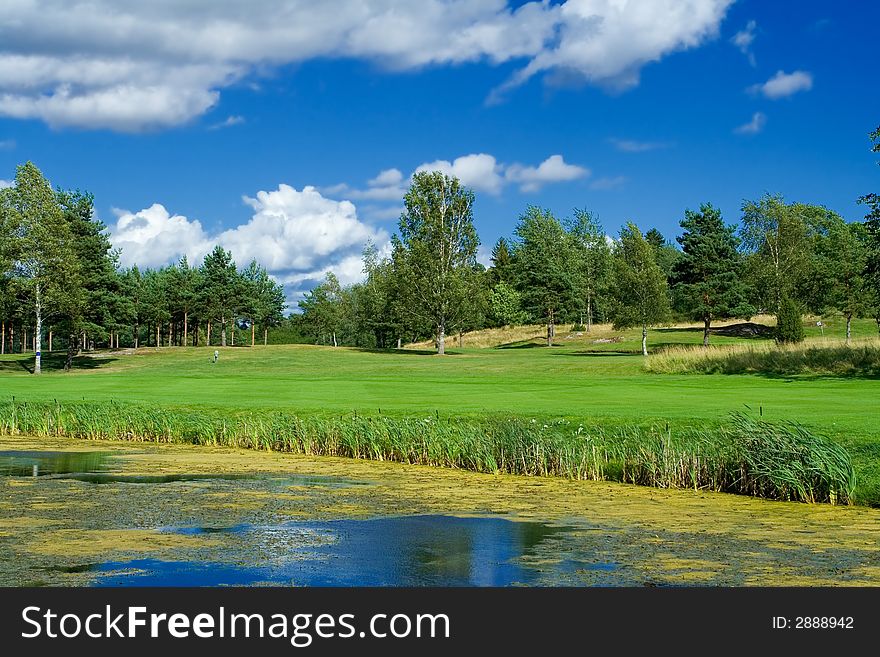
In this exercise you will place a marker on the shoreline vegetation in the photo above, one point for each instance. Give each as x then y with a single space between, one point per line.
742 454
859 358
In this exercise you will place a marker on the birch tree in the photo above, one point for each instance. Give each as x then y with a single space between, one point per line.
638 285
435 251
42 259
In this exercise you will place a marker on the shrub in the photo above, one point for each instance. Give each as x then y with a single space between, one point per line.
789 324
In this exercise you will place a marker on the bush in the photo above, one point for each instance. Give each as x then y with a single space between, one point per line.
578 327
789 325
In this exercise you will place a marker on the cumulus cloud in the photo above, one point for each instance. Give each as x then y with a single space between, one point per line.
607 42
153 237
743 41
633 146
784 84
753 127
297 235
135 66
479 171
5 183
553 169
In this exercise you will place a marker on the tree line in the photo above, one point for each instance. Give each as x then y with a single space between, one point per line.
61 286
61 282
784 259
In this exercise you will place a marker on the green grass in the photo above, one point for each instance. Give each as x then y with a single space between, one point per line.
744 455
602 384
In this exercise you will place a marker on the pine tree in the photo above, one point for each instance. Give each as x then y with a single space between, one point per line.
707 276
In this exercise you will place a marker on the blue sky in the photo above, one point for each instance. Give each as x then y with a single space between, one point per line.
207 124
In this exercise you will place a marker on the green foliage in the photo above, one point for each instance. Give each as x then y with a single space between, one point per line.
707 275
435 251
789 322
638 285
506 305
542 262
41 251
591 262
501 270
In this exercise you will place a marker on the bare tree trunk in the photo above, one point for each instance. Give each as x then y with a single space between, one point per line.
334 339
158 341
550 329
644 339
50 341
72 344
233 335
208 343
706 321
3 338
589 315
460 339
223 333
137 335
399 340
253 333
12 336
185 327
24 338
848 327
265 336
170 333
441 339
38 311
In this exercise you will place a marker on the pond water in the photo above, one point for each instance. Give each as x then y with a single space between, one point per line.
399 551
122 514
32 463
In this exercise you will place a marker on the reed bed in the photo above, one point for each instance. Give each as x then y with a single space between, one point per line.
742 455
859 358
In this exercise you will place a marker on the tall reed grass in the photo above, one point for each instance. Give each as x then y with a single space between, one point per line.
859 358
742 455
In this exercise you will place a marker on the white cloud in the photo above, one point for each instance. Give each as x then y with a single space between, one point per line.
607 42
230 121
753 127
5 183
389 185
7 144
553 169
148 65
744 39
297 235
478 171
784 84
633 146
153 237
608 182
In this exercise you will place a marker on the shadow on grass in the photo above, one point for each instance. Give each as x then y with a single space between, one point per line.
524 344
403 352
54 363
746 330
599 353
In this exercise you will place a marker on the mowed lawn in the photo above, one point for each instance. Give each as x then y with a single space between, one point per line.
593 382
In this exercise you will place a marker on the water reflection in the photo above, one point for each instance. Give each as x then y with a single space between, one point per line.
397 551
39 464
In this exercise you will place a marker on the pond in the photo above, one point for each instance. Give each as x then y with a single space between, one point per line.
123 514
